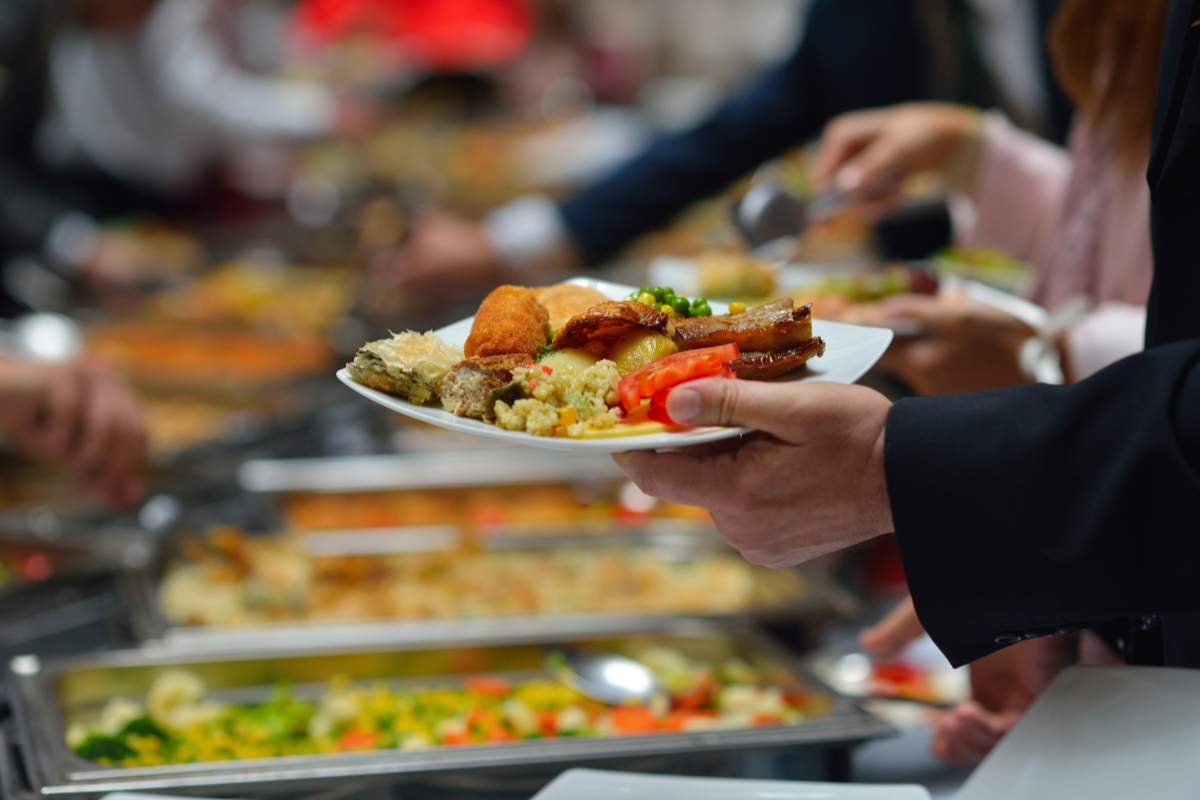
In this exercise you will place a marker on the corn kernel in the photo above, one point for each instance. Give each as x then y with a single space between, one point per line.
666 309
647 299
737 308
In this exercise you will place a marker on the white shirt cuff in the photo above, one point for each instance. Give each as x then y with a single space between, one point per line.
1105 336
528 233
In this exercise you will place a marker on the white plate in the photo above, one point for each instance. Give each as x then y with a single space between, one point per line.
591 784
850 350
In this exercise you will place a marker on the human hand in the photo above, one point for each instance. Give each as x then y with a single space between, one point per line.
121 259
444 257
80 416
890 635
808 482
1003 684
863 154
968 347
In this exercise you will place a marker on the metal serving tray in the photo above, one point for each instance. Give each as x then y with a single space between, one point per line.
820 597
47 697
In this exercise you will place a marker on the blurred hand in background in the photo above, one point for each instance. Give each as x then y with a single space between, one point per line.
443 257
120 259
1003 684
80 416
866 154
965 346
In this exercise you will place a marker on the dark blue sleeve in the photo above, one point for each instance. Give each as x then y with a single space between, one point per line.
854 54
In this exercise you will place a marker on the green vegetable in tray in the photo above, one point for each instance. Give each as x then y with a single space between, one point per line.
178 725
143 726
104 749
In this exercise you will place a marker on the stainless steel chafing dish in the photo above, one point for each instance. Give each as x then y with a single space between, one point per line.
802 594
48 696
807 594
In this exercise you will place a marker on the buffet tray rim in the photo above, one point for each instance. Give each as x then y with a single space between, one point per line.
54 770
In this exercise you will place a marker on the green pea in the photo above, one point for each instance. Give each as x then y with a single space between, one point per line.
701 308
659 292
681 306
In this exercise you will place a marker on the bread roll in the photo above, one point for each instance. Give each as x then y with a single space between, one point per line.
566 300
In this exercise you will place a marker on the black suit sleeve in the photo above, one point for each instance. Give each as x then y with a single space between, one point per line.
1027 511
854 54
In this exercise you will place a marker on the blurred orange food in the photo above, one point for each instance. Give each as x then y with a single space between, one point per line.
168 354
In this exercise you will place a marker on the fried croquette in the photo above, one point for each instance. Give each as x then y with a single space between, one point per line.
510 321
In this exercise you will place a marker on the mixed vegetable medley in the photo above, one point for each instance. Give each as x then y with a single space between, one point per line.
177 724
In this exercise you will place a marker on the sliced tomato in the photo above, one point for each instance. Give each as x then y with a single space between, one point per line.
896 672
671 370
658 400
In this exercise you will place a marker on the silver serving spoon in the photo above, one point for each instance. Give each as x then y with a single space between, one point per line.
769 212
607 677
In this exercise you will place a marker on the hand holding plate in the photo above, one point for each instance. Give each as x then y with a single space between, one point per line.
809 482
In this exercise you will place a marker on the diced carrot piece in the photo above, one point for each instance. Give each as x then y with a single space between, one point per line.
633 719
358 740
488 684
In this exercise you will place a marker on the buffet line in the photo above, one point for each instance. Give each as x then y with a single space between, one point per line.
321 598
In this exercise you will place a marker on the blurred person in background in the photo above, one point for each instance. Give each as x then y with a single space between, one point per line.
78 416
1080 215
118 107
854 54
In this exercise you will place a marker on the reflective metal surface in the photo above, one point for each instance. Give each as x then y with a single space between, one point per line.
607 677
48 696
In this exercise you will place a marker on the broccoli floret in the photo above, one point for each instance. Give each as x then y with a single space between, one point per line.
105 749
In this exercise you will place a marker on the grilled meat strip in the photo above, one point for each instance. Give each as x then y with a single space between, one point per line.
764 366
768 328
603 324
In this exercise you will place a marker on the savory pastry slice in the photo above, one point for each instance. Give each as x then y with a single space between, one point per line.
509 320
764 329
764 366
466 387
409 364
566 300
603 324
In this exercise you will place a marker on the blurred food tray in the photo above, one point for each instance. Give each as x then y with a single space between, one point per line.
379 586
49 696
38 544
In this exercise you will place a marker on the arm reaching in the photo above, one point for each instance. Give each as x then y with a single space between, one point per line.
79 416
